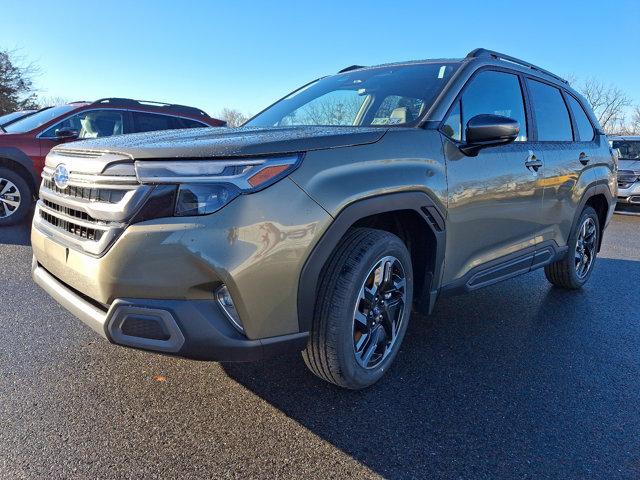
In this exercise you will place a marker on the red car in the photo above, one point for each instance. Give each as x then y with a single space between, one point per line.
24 144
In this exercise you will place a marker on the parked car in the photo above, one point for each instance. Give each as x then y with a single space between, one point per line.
628 149
8 118
320 224
25 143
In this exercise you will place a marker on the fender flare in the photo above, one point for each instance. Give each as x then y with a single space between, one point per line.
600 187
18 156
417 201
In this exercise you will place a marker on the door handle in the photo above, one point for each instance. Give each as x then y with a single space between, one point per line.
584 158
532 162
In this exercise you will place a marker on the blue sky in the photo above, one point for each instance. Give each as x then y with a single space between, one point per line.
245 54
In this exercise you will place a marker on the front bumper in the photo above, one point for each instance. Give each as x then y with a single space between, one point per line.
630 195
188 328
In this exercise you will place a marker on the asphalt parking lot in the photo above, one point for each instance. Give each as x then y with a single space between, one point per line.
519 380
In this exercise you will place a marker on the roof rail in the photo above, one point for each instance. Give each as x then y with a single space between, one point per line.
167 107
352 67
483 52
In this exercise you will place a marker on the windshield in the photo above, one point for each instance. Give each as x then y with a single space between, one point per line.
383 96
627 150
40 118
10 117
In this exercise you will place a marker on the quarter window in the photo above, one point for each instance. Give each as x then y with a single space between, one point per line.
552 117
188 123
585 129
494 93
452 127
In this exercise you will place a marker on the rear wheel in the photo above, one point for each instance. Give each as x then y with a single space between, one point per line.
15 197
362 310
573 271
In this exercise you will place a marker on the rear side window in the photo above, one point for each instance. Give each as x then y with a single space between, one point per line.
149 122
495 93
585 129
552 116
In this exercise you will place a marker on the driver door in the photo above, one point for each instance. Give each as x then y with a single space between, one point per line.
494 199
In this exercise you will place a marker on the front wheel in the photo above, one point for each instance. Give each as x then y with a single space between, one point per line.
573 271
15 197
362 310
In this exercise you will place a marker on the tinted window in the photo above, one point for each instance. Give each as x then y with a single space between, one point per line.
495 93
90 124
552 117
188 123
149 122
390 95
585 129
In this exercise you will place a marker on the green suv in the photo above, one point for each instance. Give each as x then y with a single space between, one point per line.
325 220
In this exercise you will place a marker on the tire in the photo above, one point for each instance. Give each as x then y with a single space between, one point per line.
13 189
354 353
567 273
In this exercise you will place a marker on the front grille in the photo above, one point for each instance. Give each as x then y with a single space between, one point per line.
95 208
71 212
71 227
86 193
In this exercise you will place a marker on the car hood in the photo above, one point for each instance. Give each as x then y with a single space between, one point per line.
228 142
629 165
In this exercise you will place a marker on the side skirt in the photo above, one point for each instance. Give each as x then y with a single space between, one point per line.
506 267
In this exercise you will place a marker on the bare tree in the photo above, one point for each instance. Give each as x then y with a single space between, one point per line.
16 83
634 125
234 118
52 101
609 103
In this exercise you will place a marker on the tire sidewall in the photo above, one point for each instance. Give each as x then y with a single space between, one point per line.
586 213
25 197
359 376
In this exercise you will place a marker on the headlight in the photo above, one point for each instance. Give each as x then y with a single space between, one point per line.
205 186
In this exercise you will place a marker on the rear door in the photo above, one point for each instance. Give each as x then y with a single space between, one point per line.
494 200
569 151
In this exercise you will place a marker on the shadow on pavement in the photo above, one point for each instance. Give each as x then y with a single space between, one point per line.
516 380
17 234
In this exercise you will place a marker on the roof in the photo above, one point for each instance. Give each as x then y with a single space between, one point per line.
476 54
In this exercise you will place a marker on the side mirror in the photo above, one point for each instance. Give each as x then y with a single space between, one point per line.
66 134
489 131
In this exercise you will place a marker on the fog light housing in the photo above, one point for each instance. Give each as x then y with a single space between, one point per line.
225 301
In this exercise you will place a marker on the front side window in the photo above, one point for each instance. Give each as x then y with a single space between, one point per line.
627 150
37 119
380 96
495 93
585 129
552 117
90 124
